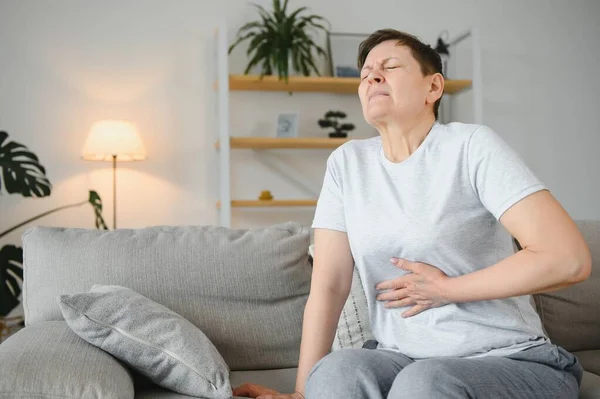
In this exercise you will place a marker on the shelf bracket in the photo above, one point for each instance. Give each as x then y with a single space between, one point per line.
276 164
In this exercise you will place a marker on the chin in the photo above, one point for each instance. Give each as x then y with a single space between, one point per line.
376 116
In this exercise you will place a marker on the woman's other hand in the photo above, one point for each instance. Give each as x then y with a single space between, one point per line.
261 392
422 288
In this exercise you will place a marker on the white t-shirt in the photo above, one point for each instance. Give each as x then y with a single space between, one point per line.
439 206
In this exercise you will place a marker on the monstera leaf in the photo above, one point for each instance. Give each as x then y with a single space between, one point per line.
20 170
96 202
11 270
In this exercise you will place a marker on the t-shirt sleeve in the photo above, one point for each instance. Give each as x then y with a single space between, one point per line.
329 213
498 175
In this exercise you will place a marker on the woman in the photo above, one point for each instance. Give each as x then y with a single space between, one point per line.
426 212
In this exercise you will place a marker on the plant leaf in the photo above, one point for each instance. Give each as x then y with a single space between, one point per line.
307 59
267 19
21 171
241 39
263 37
292 18
96 202
11 270
262 52
279 15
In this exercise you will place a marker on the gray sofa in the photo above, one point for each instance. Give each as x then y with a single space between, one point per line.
244 289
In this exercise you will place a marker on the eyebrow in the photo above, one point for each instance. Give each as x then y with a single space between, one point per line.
385 60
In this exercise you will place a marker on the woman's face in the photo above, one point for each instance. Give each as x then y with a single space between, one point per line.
392 85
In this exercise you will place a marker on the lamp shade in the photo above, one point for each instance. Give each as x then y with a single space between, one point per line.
110 138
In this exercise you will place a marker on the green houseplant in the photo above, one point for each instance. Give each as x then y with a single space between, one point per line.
280 40
22 173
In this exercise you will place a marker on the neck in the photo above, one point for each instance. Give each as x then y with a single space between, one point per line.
400 140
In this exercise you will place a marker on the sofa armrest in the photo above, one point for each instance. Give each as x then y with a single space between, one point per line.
48 360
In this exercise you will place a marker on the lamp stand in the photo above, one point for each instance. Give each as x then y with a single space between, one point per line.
114 159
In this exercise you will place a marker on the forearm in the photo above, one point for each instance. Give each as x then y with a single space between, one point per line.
321 316
523 273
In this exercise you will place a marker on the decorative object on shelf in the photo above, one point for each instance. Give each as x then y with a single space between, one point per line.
287 125
441 48
22 173
280 41
265 195
113 140
332 119
343 50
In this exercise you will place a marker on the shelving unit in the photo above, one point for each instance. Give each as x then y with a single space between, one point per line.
226 83
316 84
264 143
269 203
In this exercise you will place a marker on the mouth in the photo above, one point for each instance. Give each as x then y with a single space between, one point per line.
378 93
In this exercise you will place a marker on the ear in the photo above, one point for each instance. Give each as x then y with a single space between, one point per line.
436 88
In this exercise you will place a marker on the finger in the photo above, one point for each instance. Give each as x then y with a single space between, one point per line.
250 390
400 304
242 390
395 295
253 390
415 310
407 265
396 284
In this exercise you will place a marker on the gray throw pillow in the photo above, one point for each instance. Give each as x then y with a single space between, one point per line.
354 327
150 338
49 361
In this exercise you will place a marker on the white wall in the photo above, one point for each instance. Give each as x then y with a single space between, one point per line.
65 64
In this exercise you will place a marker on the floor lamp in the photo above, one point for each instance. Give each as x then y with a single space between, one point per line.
113 141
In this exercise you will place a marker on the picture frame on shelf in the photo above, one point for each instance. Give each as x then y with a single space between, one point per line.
287 125
343 53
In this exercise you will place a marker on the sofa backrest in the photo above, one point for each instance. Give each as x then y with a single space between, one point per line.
244 288
570 316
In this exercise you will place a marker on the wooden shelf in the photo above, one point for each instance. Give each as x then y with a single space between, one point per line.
289 143
321 84
269 203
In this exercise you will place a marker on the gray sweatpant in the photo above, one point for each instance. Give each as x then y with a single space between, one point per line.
545 372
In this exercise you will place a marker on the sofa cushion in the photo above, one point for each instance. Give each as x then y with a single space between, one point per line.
282 380
49 361
570 315
155 341
590 360
244 288
590 386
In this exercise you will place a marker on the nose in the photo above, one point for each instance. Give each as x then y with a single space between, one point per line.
375 77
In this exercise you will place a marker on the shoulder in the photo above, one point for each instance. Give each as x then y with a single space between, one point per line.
462 131
469 135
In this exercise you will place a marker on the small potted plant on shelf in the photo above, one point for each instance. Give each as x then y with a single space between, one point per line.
332 120
280 41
